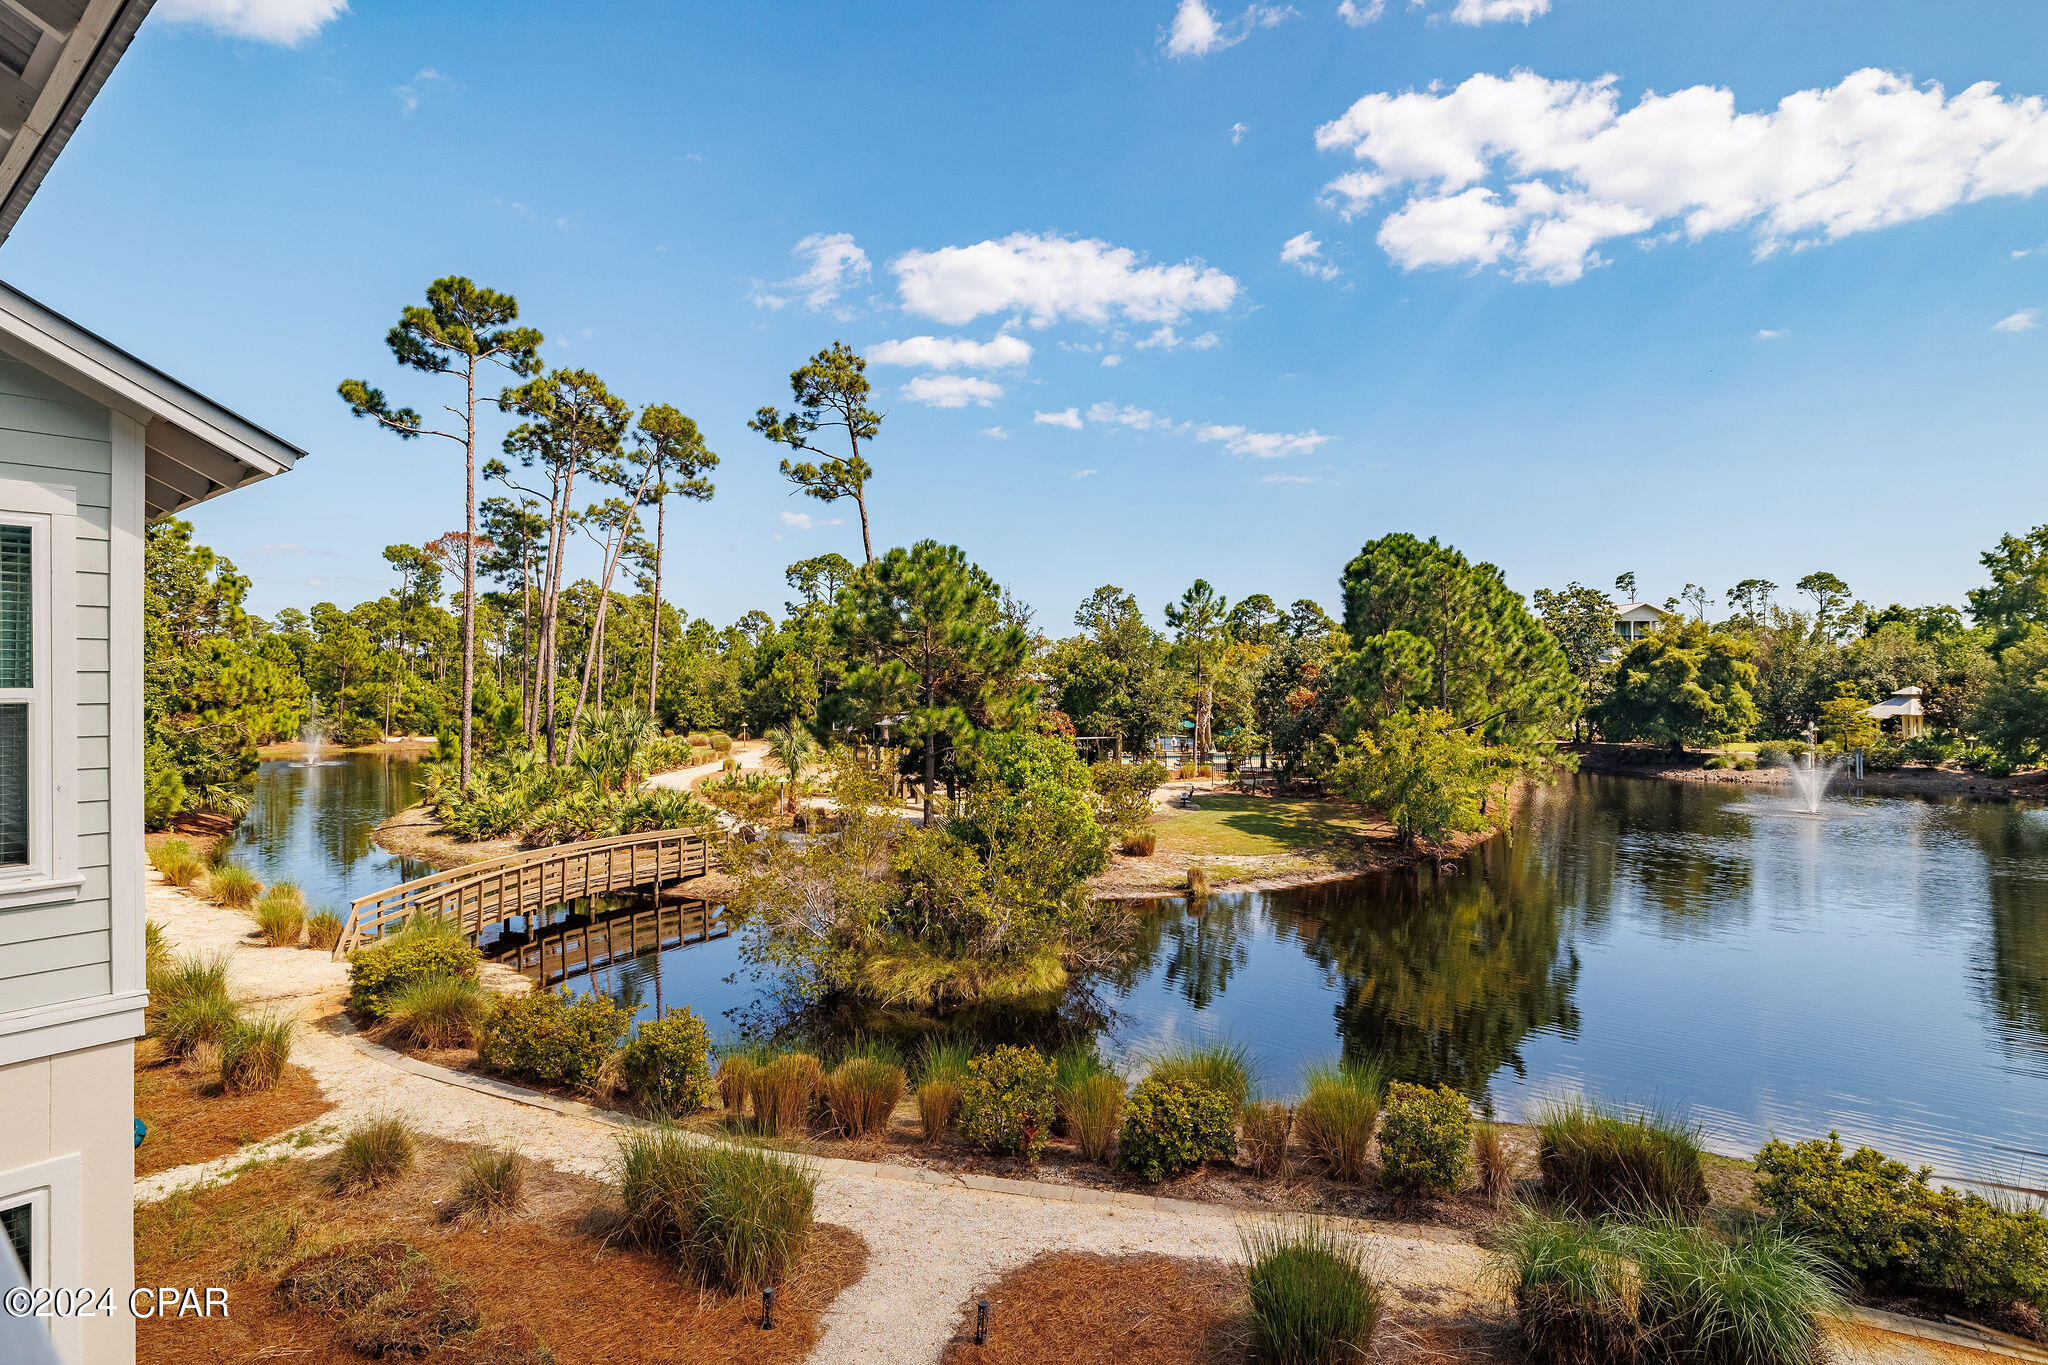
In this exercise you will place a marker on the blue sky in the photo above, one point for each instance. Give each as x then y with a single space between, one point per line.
1658 324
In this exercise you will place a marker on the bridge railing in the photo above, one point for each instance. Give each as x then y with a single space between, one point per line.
479 895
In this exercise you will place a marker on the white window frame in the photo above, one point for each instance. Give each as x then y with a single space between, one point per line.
54 1191
50 511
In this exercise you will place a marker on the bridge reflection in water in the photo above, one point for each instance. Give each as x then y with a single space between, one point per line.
550 954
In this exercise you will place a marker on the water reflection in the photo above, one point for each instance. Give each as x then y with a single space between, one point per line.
314 824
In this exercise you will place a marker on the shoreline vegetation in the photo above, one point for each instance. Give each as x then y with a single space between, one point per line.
1646 761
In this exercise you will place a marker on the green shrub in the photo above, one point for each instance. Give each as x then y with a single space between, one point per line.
1094 1107
1602 1160
1309 1298
1888 1225
735 1218
1172 1126
438 1011
668 1063
323 930
380 971
1425 1138
280 919
1778 751
371 1153
233 886
861 1094
253 1054
553 1036
1006 1102
1222 1066
1336 1118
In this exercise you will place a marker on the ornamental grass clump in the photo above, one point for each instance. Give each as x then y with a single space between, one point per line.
1071 1065
1219 1065
942 1059
1425 1139
254 1052
667 1066
1172 1126
176 863
553 1036
861 1094
323 930
1263 1129
782 1091
192 1022
491 1184
1006 1102
1605 1161
1309 1297
233 886
438 1011
371 1153
734 1218
1336 1118
1577 1294
1139 843
1094 1108
182 976
280 919
424 948
735 1071
1492 1162
937 1103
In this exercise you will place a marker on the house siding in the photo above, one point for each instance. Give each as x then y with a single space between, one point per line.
50 954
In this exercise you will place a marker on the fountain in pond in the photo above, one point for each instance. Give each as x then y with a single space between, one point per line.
1810 779
311 736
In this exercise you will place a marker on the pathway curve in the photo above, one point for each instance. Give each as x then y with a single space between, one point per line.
932 1246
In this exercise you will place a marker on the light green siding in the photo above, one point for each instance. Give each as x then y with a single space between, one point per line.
48 434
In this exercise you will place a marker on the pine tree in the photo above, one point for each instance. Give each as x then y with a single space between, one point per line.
831 390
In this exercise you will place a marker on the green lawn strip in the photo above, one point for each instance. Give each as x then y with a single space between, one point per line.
1229 824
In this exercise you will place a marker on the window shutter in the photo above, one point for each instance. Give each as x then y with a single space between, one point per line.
17 615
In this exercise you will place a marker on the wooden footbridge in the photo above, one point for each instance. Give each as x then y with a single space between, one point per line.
523 886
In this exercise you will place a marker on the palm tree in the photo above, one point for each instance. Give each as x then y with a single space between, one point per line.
793 748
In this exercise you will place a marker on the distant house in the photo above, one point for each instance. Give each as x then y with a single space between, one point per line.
1900 715
1638 619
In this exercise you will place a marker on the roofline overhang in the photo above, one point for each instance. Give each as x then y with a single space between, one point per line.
102 33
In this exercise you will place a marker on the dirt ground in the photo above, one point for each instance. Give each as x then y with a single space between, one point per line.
553 1269
189 1118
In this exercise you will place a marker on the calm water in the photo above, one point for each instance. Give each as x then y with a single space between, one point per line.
1883 971
312 824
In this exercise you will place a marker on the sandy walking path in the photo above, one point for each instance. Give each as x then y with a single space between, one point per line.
932 1246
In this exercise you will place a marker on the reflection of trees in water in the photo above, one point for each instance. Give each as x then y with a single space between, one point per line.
1199 950
1443 976
1676 845
2014 840
306 817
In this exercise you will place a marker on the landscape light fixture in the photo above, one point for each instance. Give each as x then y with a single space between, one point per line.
981 1322
768 1308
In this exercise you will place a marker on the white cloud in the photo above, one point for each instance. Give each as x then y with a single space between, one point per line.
1769 333
1196 31
1139 419
1305 253
1533 175
1166 339
1358 14
1050 278
1476 12
834 265
1112 360
1086 473
1237 132
410 93
996 433
289 22
2026 320
1265 445
1070 419
952 390
946 353
1293 478
804 521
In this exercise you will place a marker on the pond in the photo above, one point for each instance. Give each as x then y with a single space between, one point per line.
1882 971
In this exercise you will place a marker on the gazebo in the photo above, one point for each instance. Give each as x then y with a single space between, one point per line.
1900 714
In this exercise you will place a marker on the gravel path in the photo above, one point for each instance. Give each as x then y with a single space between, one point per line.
932 1247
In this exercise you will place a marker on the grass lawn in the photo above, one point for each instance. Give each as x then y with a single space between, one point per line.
1232 825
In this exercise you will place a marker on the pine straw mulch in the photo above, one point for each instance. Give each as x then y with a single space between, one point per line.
1070 1308
190 1118
201 831
552 1274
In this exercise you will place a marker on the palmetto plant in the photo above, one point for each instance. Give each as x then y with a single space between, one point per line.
610 744
793 748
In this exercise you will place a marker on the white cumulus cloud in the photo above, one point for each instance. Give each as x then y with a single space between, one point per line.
1769 333
1164 338
1476 12
289 22
832 265
1305 253
804 521
952 390
996 433
1069 418
1047 279
1533 175
1265 445
2026 320
1359 13
1196 31
948 353
1141 419
1237 132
